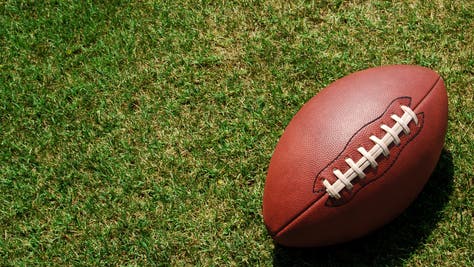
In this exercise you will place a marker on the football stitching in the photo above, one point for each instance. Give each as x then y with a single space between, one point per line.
335 203
353 136
380 147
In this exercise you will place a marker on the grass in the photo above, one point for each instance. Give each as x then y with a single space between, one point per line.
139 133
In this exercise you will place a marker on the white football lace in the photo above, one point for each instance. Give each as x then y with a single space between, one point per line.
356 169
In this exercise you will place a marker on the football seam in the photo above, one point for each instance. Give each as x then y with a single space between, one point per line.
284 226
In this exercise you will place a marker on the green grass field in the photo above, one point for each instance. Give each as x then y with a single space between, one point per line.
139 133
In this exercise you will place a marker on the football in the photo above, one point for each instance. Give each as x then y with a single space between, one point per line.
355 155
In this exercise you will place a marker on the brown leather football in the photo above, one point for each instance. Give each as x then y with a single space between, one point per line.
355 156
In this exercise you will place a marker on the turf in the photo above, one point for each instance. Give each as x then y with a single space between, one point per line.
139 133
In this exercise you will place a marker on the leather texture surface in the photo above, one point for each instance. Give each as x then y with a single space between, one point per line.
330 127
